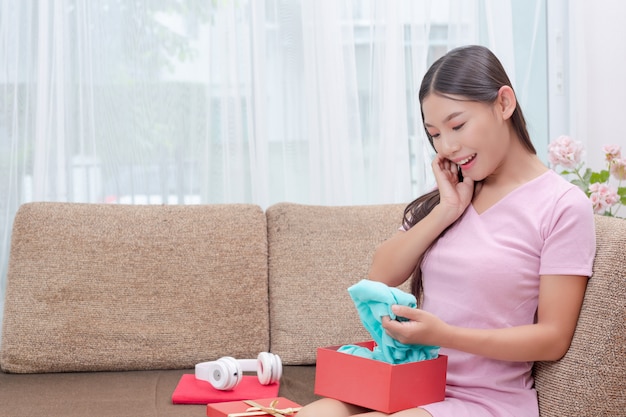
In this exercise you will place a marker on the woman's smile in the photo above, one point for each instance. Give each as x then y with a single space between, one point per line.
465 161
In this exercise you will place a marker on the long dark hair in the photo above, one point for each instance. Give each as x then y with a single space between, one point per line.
475 73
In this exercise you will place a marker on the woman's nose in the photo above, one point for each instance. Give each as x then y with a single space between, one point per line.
448 145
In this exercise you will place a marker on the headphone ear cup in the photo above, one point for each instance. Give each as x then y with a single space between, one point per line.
269 368
225 373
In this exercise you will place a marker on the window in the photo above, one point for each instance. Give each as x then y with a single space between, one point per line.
195 102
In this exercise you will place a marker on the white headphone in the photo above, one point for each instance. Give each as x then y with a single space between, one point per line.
226 373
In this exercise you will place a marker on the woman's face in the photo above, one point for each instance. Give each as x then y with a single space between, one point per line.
471 134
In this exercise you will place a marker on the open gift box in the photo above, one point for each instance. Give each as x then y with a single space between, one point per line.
379 385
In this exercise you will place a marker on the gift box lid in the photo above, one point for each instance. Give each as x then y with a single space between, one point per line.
282 405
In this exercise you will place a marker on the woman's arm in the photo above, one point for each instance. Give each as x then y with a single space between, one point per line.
395 259
560 300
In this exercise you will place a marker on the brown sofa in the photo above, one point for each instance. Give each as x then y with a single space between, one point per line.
107 306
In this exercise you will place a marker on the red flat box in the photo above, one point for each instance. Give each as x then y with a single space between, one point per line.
195 391
232 407
379 385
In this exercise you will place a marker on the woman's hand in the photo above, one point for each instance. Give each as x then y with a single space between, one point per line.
455 195
560 300
422 328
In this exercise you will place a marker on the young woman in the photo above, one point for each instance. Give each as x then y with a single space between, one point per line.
500 252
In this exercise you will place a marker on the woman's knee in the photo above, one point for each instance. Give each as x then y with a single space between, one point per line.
328 407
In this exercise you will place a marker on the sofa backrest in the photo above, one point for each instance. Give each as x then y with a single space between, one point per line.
119 287
315 254
590 380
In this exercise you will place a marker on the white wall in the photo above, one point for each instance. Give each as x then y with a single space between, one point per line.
601 120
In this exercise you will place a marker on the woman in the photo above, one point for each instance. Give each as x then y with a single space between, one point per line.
500 252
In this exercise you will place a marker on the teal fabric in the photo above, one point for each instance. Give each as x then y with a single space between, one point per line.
373 301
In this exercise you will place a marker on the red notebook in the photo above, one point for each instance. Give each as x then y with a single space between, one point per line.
194 391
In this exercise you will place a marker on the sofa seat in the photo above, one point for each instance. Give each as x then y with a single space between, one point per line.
121 394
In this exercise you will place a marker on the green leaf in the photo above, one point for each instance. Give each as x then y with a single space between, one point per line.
582 185
601 176
621 191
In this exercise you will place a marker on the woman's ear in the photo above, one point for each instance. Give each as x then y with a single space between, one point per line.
506 103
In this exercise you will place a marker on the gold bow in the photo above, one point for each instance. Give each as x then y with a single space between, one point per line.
257 409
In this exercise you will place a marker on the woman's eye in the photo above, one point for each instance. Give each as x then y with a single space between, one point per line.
457 127
434 136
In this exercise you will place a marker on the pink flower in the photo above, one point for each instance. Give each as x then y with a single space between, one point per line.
602 197
618 169
565 151
612 152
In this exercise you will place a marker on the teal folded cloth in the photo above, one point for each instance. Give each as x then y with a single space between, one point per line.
373 301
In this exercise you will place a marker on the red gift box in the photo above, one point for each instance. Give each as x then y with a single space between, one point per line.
378 385
227 409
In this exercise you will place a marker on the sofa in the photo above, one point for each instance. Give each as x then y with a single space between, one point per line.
108 306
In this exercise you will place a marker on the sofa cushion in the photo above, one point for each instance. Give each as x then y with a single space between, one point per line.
102 394
120 394
95 287
315 254
590 379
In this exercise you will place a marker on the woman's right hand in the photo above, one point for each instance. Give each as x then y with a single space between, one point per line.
395 259
454 195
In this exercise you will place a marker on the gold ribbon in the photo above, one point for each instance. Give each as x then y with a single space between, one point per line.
257 409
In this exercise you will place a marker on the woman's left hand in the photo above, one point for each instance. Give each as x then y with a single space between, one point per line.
422 328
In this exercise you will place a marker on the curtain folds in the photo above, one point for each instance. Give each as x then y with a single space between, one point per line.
198 102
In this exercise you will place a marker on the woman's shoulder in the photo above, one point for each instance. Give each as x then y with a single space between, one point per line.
550 199
566 204
554 187
568 193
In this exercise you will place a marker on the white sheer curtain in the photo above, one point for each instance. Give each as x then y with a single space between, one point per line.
200 102
595 73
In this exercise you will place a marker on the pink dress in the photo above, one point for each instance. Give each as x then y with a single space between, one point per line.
484 272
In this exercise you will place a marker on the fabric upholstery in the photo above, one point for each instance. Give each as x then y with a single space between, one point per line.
114 287
590 380
143 288
315 254
120 394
